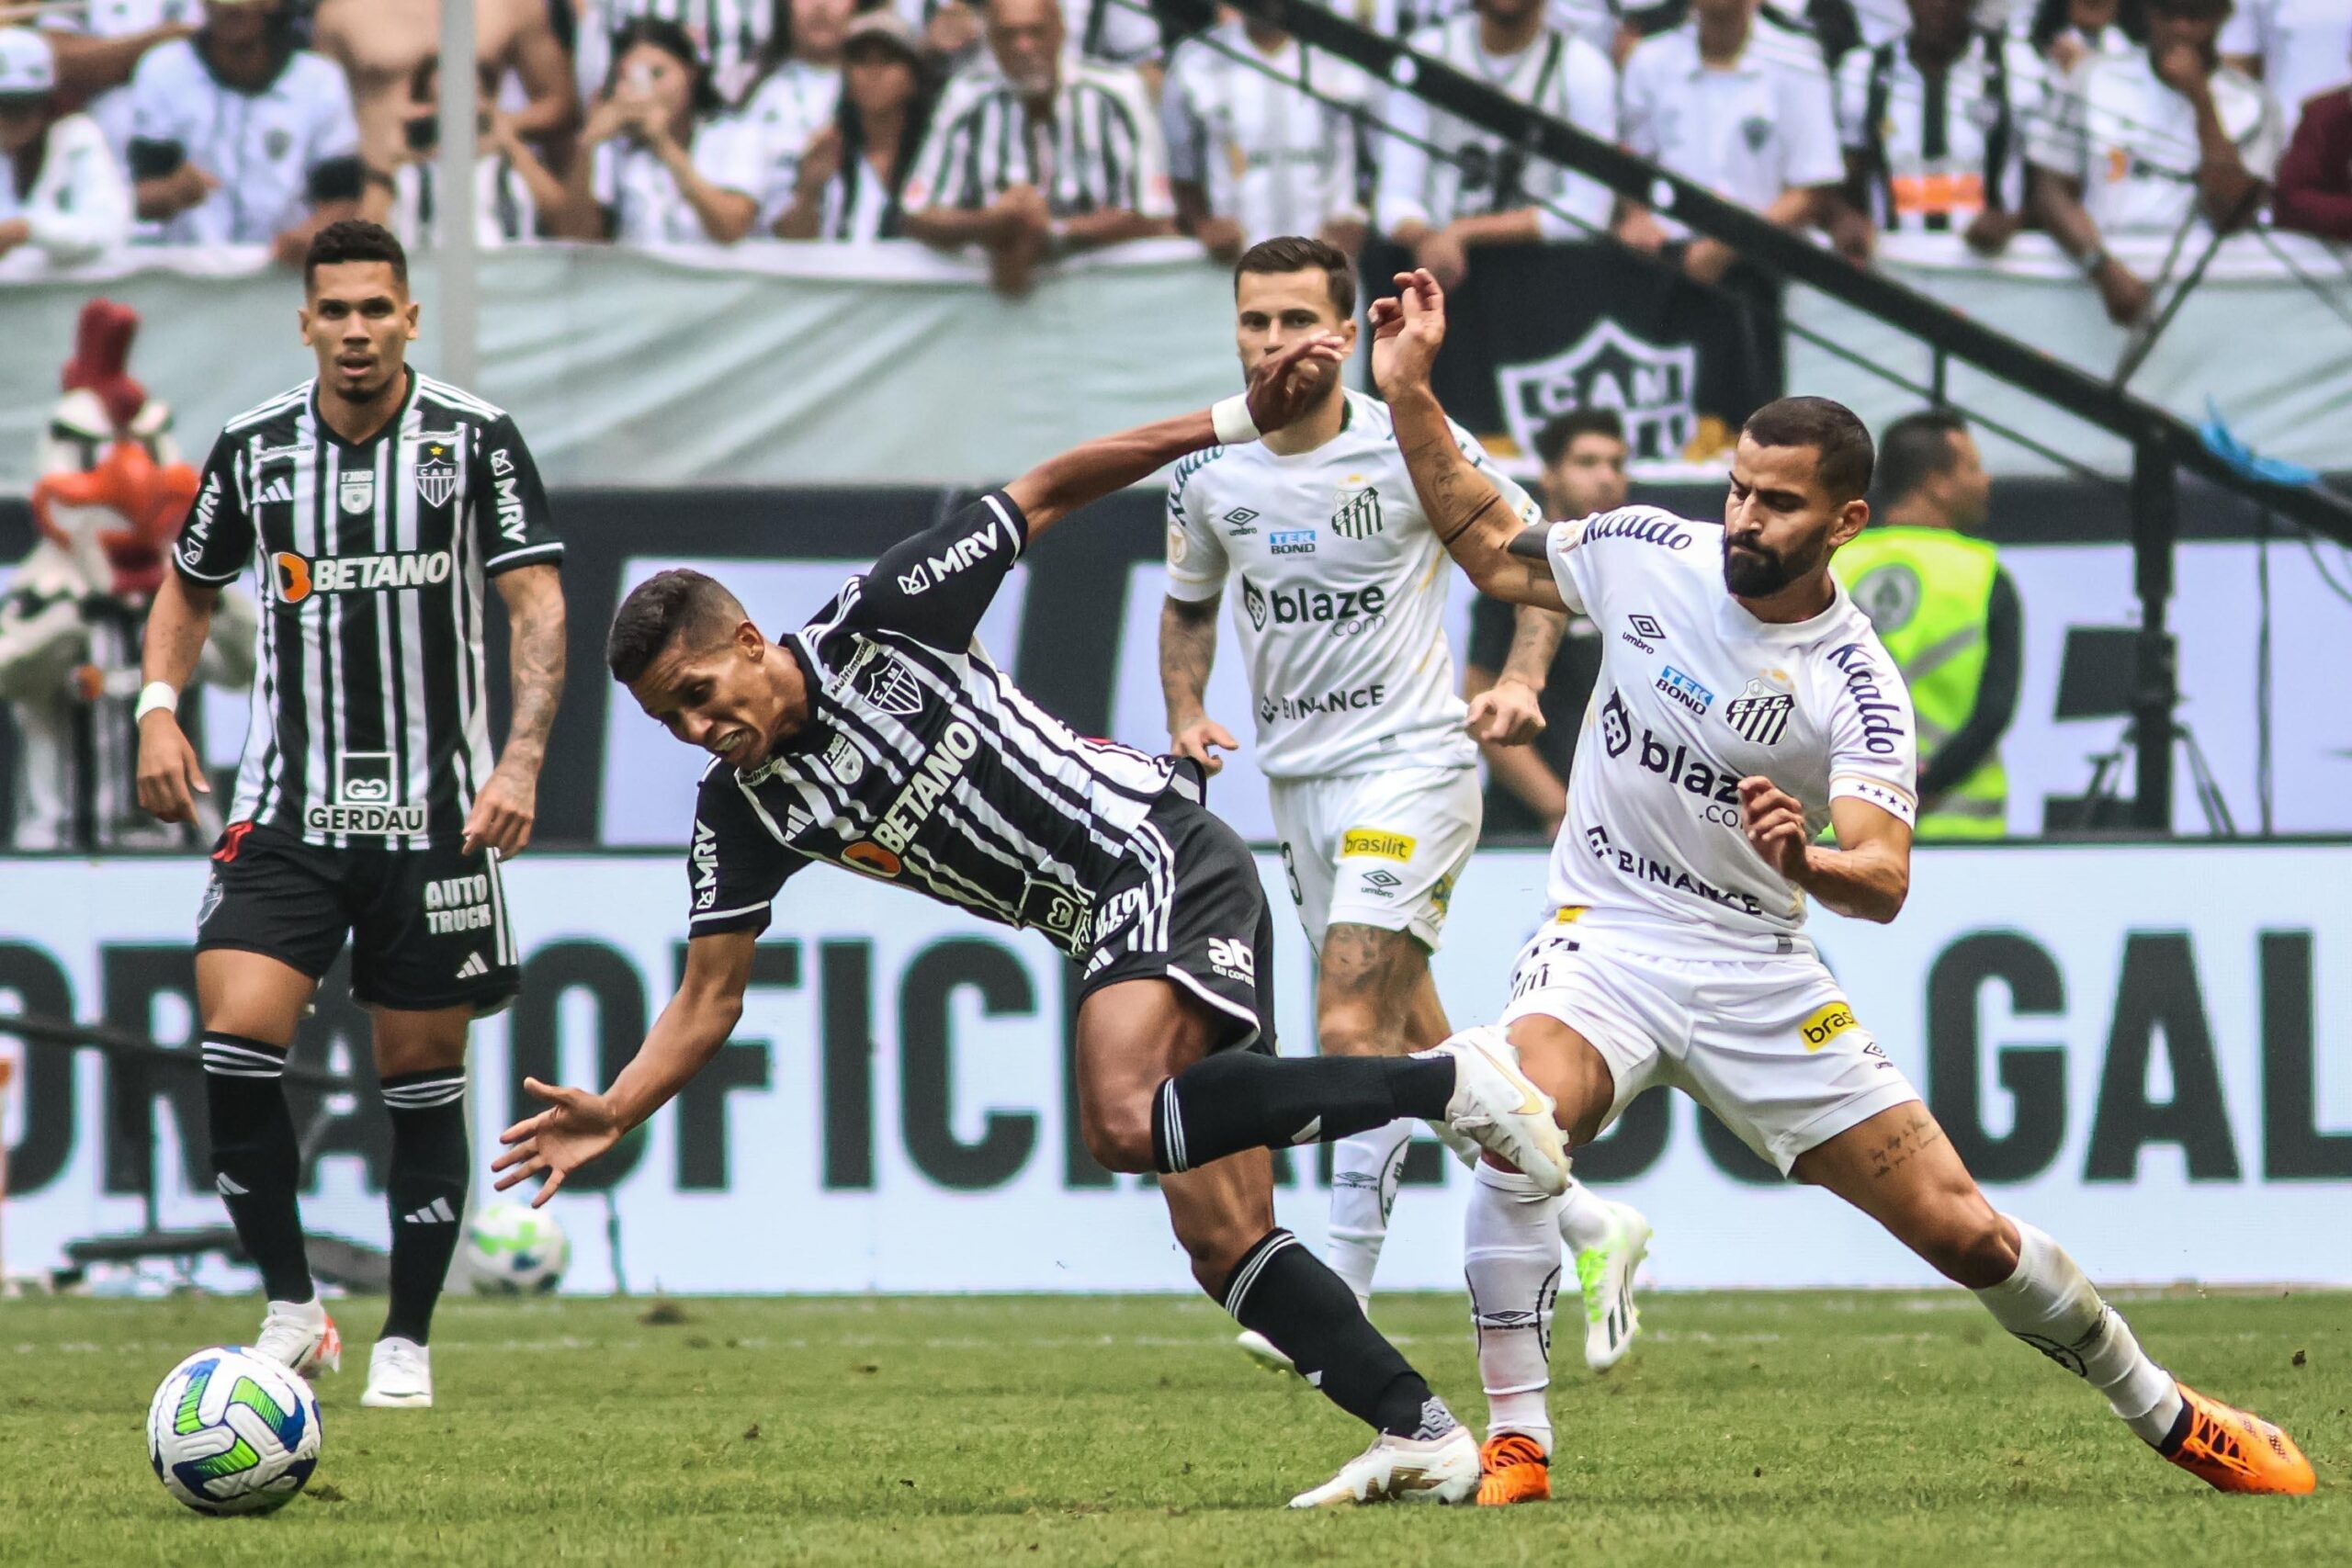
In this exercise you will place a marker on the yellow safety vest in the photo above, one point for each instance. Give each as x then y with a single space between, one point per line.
1926 591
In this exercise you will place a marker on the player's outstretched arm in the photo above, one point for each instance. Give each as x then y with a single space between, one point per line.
1280 390
1471 519
579 1125
171 775
1866 878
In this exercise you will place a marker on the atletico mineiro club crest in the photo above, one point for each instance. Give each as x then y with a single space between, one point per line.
437 476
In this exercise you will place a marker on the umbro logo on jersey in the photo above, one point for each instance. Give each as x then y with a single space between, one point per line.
1383 883
436 1212
1645 626
1358 516
1760 714
473 968
1241 521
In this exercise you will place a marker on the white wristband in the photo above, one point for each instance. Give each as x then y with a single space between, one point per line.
1230 419
152 695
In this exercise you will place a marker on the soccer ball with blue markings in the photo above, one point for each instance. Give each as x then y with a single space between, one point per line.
511 1248
231 1432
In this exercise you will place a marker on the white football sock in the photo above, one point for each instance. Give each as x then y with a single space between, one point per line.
2049 1305
1364 1170
1512 1256
1586 1218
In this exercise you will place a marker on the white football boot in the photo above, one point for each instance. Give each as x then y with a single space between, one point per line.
399 1376
1500 1109
1403 1470
300 1336
1260 1349
1605 1276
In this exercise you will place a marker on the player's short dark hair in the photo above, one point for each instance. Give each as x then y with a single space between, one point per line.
1917 449
1560 433
662 609
1842 443
354 240
1296 253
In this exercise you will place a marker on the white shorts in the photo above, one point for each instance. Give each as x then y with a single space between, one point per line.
1767 1043
1380 850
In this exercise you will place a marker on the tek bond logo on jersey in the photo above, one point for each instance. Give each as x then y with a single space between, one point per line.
295 578
1685 690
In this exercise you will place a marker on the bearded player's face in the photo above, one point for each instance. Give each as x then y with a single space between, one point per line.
1779 524
358 320
726 698
1273 310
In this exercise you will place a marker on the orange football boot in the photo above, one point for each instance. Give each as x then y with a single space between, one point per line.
1513 1468
2229 1449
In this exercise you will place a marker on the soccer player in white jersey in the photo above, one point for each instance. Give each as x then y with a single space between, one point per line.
1744 705
1368 749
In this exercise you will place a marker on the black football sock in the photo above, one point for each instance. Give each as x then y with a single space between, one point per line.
1239 1100
256 1163
425 1192
1285 1293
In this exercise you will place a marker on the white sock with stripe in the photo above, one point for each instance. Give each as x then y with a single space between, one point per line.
1511 1258
1365 1171
2050 1305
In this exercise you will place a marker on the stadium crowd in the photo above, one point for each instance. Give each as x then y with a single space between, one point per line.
1031 129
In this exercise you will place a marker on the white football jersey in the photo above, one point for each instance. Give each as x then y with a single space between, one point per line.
1695 694
1342 593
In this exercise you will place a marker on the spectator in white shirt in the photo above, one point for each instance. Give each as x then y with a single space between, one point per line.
1254 150
1933 124
239 138
1474 190
1740 108
2298 48
852 176
512 188
2150 141
61 193
100 44
794 100
730 37
655 165
2067 32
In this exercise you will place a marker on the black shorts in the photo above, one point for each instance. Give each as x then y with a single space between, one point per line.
428 927
1187 908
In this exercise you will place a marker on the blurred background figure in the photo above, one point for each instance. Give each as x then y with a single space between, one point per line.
383 44
730 37
241 138
100 44
61 193
1584 454
110 498
795 101
2314 193
1948 614
1251 155
850 180
512 188
2296 49
655 164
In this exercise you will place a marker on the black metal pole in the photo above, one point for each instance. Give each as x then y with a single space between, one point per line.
2155 530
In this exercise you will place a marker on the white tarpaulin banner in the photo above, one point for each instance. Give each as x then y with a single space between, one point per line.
2146 1051
825 364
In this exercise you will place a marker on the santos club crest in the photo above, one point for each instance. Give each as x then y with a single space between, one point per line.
1761 714
1652 386
1359 514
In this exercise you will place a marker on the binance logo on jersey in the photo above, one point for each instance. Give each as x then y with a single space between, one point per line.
1376 843
1826 1024
296 577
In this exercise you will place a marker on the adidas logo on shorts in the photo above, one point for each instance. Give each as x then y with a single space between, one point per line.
473 968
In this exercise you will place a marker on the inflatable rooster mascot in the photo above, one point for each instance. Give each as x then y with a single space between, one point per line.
108 503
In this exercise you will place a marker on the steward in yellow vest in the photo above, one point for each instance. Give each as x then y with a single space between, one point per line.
1948 617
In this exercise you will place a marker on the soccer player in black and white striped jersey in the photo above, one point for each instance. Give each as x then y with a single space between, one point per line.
879 738
379 505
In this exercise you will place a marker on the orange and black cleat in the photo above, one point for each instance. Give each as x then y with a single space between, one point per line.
1513 1468
2229 1449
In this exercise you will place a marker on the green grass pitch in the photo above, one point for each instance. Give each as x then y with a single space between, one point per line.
1746 1429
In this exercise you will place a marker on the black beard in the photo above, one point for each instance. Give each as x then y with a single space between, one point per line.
1755 574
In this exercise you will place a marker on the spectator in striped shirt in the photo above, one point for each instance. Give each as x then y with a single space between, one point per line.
1045 155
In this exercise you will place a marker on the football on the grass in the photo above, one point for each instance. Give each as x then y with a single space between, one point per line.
231 1432
511 1248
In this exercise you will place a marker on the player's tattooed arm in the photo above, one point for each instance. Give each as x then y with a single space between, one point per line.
1510 713
1281 389
508 805
1866 878
1187 652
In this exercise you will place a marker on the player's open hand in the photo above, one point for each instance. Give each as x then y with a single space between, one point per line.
1200 740
1406 332
171 775
1774 823
1284 387
576 1127
1508 713
503 813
